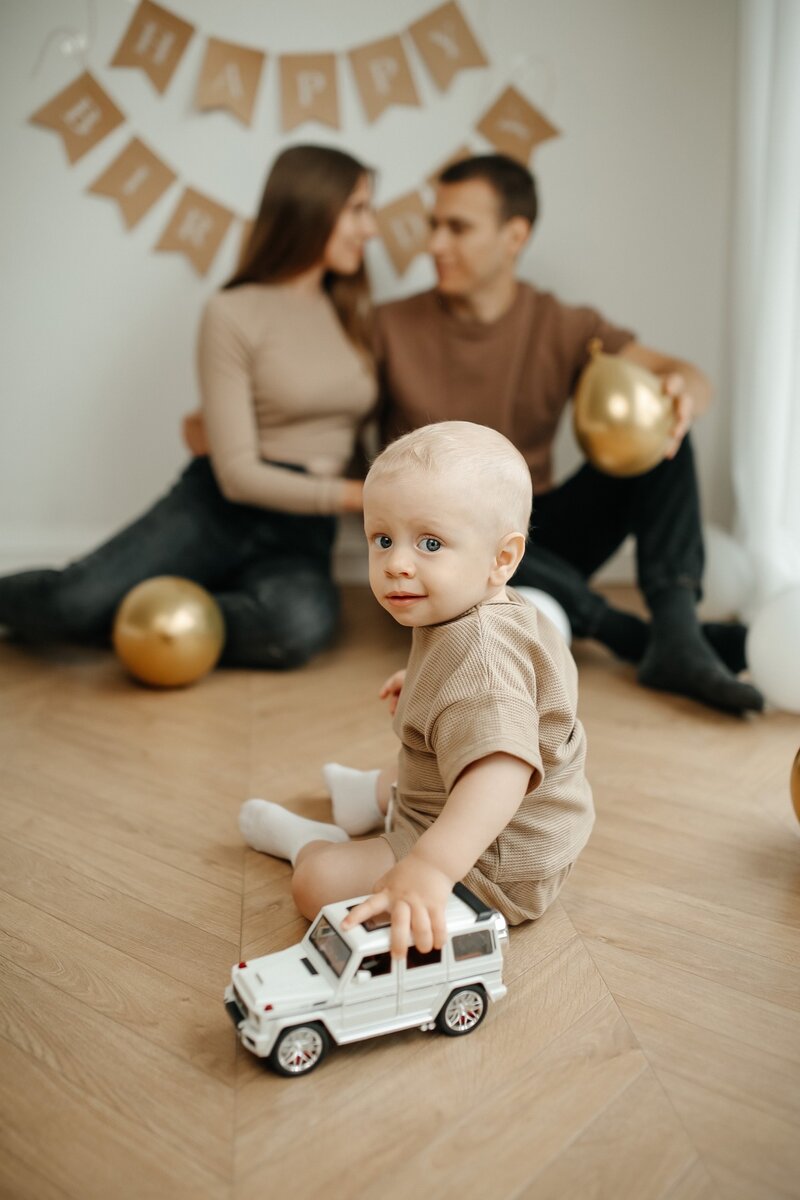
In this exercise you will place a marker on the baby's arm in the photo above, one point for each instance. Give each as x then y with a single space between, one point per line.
414 892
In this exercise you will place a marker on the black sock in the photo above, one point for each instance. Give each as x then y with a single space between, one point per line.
623 633
679 659
728 640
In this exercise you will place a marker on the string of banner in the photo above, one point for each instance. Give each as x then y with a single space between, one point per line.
83 114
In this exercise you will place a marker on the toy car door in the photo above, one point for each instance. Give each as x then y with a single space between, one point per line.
424 976
370 998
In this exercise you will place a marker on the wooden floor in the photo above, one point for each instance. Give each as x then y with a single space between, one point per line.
649 1046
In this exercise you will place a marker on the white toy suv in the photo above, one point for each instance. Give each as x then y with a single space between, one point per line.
342 986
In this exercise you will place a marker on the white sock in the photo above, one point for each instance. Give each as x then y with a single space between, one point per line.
354 798
274 830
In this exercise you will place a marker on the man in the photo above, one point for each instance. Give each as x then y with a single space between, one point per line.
486 347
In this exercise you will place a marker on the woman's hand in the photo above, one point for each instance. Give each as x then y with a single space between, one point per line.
352 497
391 689
193 432
415 895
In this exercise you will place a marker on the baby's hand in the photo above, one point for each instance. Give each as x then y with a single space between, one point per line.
415 894
392 688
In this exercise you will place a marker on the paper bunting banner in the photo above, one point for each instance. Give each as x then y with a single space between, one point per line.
229 78
308 90
514 126
383 76
83 114
196 229
404 229
446 45
155 41
136 179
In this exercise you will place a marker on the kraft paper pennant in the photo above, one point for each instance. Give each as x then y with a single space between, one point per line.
83 114
383 76
457 156
196 229
308 90
445 44
136 179
514 126
404 227
155 41
229 78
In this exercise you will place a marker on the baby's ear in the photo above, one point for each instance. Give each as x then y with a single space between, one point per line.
508 557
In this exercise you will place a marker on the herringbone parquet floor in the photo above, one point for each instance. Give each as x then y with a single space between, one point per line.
649 1046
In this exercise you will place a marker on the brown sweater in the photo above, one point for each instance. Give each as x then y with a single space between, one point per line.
280 380
515 374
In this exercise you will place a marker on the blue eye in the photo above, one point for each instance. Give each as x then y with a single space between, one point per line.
382 541
430 544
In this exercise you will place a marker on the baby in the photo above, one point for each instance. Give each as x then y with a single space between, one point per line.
491 787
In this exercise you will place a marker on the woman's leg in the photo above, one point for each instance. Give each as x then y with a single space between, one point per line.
186 533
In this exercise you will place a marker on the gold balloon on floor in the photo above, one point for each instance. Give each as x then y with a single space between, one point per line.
168 631
795 785
623 420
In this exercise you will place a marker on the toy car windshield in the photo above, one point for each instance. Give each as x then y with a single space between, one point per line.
331 945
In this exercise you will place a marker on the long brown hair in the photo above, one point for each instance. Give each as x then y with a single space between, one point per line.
303 197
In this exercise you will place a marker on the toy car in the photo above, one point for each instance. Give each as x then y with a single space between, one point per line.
342 986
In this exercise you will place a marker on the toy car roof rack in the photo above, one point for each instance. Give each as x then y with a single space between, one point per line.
477 905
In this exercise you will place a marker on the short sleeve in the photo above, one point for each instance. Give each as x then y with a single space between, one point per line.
489 723
580 326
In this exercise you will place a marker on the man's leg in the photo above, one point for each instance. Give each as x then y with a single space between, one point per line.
670 558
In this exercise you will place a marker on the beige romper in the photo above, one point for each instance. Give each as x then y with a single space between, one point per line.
498 678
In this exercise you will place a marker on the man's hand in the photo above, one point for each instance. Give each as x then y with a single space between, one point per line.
193 431
674 386
391 690
415 895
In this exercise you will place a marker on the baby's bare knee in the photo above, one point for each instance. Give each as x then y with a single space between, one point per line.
311 882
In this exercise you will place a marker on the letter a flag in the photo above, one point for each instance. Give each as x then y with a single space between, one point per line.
83 114
229 78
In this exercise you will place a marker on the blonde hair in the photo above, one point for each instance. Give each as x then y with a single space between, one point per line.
482 459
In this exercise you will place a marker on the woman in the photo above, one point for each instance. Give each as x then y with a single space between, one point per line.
285 380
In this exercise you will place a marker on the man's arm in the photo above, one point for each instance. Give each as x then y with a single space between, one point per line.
688 386
482 802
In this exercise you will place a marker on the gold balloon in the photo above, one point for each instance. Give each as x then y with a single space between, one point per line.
623 421
795 785
168 631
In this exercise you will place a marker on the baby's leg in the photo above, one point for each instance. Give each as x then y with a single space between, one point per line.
325 872
359 798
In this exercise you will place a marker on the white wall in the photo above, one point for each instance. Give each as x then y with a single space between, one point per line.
97 331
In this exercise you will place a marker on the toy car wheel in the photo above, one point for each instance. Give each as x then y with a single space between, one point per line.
463 1011
299 1049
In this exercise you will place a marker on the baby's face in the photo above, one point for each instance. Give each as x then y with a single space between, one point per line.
431 550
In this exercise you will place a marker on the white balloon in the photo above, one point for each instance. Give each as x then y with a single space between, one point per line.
728 577
773 650
550 607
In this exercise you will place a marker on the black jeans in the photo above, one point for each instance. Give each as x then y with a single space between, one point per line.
578 526
269 572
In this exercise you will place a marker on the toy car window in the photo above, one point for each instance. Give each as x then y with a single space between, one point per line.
415 957
331 945
377 964
472 945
